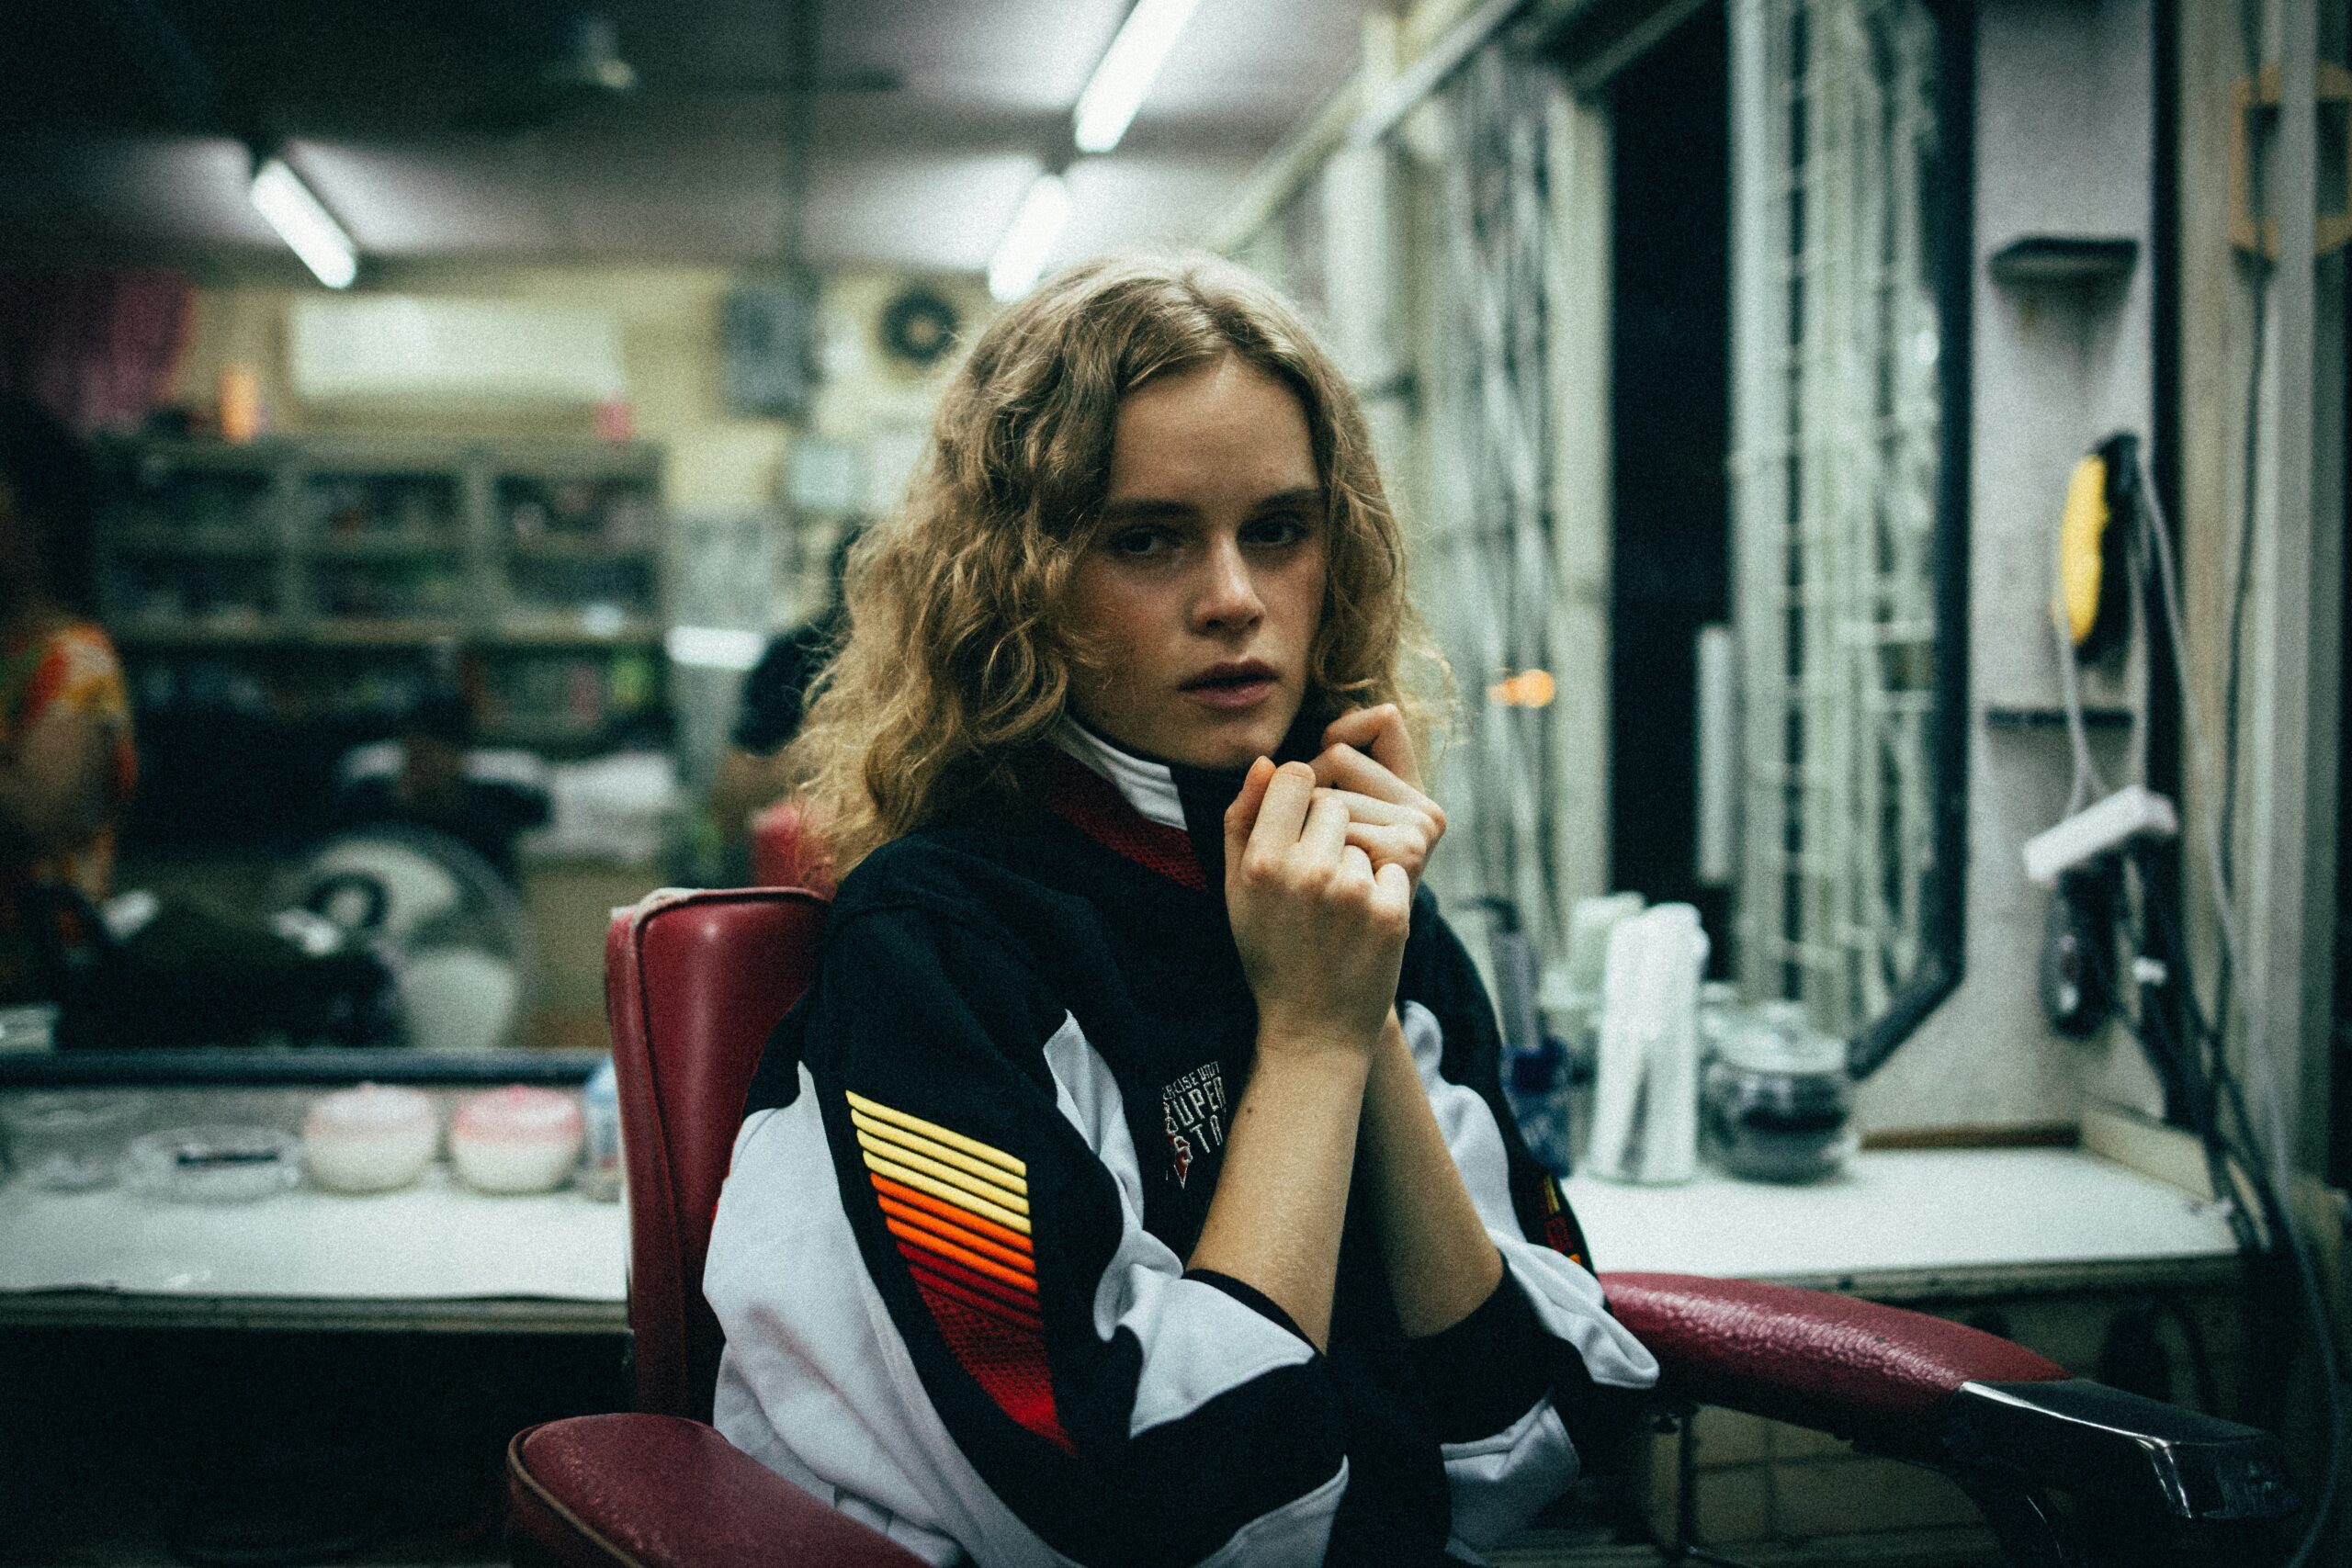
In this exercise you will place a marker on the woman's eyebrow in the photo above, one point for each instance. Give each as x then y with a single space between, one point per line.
1305 495
1150 509
1146 509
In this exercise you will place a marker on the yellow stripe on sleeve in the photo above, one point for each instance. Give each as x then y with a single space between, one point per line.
978 1192
941 1189
954 1140
936 1150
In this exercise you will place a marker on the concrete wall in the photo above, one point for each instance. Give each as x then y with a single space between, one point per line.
2064 137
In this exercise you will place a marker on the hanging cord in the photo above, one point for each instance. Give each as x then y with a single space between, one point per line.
2273 1178
2087 782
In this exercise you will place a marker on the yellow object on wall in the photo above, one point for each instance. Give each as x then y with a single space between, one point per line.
2082 540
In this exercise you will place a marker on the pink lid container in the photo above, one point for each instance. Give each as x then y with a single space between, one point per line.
515 1139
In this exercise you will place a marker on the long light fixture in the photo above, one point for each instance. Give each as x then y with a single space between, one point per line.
714 648
1021 254
1117 87
308 229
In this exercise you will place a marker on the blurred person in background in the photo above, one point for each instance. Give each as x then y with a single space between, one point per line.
67 765
430 776
775 694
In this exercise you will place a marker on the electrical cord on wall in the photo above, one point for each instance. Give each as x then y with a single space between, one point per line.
2271 1177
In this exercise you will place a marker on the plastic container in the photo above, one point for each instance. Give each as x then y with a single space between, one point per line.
515 1139
600 1158
374 1138
69 1141
1776 1103
216 1163
1536 1085
1645 1089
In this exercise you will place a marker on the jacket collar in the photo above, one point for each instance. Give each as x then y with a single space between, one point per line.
1168 817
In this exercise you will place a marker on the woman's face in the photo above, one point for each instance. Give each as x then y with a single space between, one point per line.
1202 593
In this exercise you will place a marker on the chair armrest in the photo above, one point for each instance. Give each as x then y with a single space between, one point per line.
1871 1373
639 1490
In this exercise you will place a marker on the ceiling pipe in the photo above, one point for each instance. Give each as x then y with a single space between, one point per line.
1127 71
309 230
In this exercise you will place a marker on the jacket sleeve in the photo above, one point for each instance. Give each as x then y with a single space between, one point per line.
1542 1370
943 1310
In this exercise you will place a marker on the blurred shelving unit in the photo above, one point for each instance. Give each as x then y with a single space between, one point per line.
278 601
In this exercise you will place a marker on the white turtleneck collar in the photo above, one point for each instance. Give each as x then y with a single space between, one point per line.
1148 786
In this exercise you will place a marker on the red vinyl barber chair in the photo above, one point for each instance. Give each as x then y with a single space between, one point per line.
784 852
695 981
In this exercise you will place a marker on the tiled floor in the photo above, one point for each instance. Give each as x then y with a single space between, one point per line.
384 1451
117 1445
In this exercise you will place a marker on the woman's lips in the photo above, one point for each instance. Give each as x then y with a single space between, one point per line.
1230 695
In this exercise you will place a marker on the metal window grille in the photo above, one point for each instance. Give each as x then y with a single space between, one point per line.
1488 581
1834 470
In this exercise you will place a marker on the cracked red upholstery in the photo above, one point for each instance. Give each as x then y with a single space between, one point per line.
1850 1367
694 984
785 853
603 1491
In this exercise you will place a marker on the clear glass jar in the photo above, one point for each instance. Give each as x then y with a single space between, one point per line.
67 1142
1776 1102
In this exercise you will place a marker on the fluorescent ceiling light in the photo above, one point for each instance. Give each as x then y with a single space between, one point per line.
1021 254
280 195
1117 87
714 648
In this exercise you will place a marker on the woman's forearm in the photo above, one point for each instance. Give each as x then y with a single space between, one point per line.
1282 1196
1441 1265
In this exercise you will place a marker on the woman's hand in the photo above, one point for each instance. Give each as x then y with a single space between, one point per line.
1321 929
1368 765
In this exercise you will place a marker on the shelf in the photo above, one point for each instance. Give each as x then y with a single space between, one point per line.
633 633
2056 718
159 539
2065 259
330 634
197 635
389 546
579 549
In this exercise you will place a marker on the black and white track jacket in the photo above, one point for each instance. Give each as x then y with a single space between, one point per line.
949 1257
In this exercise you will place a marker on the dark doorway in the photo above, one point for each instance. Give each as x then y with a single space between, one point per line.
1671 420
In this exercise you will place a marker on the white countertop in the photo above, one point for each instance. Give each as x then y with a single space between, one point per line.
435 1241
1936 1212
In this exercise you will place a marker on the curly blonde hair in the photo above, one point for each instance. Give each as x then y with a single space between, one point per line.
956 663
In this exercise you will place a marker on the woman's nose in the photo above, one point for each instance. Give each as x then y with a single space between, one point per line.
1228 594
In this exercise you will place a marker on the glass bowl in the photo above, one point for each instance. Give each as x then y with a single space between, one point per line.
69 1141
215 1164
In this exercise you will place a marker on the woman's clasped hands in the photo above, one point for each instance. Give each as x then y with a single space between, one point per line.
1322 861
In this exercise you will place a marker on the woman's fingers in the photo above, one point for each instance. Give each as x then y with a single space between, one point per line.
1242 815
1326 832
1282 814
1380 733
1386 846
1370 809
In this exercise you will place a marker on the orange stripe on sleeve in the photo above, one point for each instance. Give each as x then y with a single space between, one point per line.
911 1236
949 1213
1018 1261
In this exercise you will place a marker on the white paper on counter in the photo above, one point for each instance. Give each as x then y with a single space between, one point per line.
432 1241
1897 1212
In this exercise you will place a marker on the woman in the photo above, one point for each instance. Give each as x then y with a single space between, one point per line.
1133 1185
66 763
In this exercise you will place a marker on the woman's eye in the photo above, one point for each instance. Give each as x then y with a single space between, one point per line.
1283 530
1139 543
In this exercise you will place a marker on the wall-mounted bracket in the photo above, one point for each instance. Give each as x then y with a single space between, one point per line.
2254 98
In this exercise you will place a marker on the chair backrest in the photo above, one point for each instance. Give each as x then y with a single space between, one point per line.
694 985
784 852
